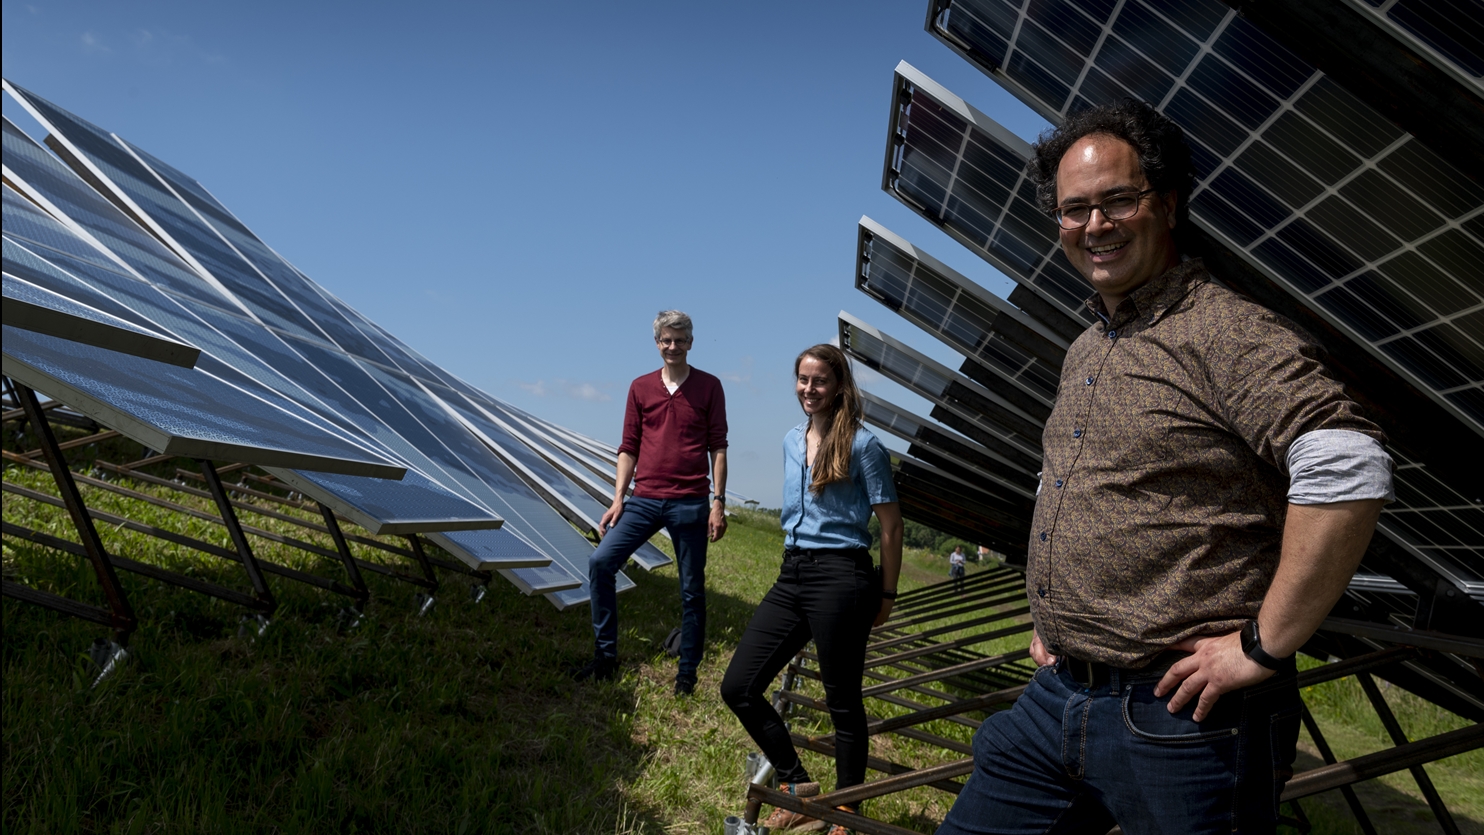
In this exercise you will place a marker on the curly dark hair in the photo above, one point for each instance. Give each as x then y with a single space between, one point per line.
1160 143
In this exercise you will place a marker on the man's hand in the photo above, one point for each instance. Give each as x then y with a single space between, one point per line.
1217 666
1039 653
610 517
716 527
881 616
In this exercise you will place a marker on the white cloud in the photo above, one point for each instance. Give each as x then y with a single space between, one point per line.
587 391
591 392
94 43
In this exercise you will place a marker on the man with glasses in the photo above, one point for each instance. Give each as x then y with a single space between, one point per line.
676 418
1207 491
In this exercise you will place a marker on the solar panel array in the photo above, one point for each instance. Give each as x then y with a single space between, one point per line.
101 224
1344 208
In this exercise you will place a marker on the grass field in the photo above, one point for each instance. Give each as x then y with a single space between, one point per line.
461 721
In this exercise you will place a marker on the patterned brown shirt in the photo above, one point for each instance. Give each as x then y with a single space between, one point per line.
1164 484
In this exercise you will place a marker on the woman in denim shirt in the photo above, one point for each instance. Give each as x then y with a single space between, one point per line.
836 474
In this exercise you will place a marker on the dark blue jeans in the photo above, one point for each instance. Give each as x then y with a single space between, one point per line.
1068 759
686 520
830 597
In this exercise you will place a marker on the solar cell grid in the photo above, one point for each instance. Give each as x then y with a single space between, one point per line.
1250 98
947 305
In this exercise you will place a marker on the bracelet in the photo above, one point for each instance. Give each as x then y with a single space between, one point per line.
889 595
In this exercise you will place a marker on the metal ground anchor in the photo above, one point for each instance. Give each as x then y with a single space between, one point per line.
476 592
424 603
252 625
106 656
758 771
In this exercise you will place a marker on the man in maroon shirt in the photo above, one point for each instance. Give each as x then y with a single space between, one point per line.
675 419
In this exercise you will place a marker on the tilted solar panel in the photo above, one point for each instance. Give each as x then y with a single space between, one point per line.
32 308
1342 207
162 247
1018 448
181 411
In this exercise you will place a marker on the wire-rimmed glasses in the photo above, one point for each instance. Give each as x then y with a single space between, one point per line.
1114 207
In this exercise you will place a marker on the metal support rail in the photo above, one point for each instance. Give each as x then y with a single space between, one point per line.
120 614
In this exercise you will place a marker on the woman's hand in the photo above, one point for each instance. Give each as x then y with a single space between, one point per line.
881 616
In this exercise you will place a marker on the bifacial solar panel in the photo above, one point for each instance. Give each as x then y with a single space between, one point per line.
33 308
72 272
1339 205
180 411
1449 32
1018 448
989 470
1014 355
163 248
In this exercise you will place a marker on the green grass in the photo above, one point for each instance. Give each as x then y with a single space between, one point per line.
462 721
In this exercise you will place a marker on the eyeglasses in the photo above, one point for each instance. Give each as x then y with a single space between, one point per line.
669 343
1117 207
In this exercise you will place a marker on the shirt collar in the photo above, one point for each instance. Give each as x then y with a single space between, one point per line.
1150 301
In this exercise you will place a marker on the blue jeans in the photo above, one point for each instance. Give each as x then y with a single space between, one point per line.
686 520
1068 759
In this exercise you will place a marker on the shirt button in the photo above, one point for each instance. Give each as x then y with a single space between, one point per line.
1059 482
1041 591
1089 381
1076 433
1112 334
1043 536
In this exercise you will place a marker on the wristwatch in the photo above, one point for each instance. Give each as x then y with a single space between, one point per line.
1252 646
720 497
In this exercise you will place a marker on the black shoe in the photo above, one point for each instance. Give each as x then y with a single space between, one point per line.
684 688
598 669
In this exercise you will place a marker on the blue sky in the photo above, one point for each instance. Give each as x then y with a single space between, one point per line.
515 189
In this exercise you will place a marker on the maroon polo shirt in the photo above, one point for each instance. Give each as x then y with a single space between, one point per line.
671 435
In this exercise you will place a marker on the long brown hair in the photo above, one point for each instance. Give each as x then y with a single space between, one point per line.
832 461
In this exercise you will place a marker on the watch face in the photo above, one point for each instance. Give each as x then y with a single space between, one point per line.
1249 636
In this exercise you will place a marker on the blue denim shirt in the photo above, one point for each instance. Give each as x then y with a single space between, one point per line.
836 518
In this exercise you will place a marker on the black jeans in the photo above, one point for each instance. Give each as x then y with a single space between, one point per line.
832 597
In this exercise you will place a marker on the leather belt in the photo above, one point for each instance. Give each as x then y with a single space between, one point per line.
1089 674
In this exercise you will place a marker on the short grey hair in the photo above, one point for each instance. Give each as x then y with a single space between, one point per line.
673 319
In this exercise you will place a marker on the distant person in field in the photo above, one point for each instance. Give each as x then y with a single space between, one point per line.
835 475
956 561
675 420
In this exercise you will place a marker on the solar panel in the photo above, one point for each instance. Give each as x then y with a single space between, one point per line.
1014 355
989 472
163 249
1018 449
177 410
33 308
1339 205
1437 29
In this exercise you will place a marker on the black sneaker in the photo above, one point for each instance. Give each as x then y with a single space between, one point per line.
598 669
684 688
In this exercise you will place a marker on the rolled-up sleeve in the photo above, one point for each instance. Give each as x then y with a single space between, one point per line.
1335 465
716 426
633 425
876 475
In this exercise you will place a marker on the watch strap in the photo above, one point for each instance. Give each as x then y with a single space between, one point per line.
1252 646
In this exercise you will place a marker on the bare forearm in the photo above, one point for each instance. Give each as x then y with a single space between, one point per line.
624 475
719 472
891 544
1322 546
